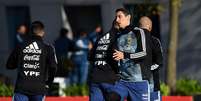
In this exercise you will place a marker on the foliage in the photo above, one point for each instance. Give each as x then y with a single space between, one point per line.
77 90
165 90
6 90
145 9
188 87
183 87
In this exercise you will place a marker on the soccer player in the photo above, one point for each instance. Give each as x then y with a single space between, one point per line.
36 63
131 53
103 74
157 59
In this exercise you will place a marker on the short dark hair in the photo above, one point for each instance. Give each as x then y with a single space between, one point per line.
36 26
63 32
125 11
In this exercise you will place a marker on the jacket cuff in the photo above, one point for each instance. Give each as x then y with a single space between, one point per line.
126 55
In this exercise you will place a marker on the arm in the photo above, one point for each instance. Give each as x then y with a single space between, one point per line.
52 64
12 61
157 53
141 41
141 44
80 44
157 61
91 54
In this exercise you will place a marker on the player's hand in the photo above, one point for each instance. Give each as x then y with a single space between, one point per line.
47 86
90 46
118 55
155 66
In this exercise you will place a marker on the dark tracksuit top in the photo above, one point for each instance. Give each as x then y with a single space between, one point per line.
157 59
104 68
36 63
148 60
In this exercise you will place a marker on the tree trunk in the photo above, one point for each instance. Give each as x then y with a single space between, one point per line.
172 52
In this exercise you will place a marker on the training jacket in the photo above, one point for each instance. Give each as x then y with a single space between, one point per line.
36 63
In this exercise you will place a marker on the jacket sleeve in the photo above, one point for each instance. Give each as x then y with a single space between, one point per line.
90 56
12 61
157 60
141 46
52 64
91 53
157 52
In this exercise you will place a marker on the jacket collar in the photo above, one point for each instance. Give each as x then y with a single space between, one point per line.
36 37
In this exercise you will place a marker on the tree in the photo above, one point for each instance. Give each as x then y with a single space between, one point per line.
172 52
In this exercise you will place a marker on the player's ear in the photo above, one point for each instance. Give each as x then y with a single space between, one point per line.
129 16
